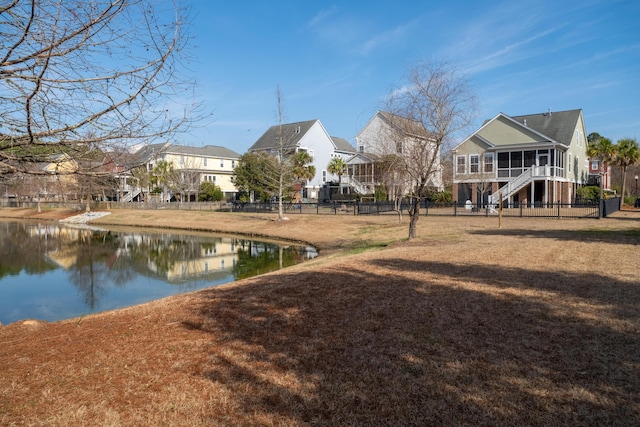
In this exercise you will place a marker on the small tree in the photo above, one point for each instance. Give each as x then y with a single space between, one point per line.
287 161
627 153
162 176
428 109
601 148
209 192
255 175
302 170
337 166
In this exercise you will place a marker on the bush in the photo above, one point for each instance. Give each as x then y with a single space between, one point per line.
380 194
441 197
209 192
588 194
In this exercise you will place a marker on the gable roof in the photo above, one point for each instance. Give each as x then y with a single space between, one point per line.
553 127
404 124
148 151
557 125
291 134
343 145
207 150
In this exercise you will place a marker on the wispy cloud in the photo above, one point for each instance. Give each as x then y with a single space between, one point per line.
507 34
388 37
322 16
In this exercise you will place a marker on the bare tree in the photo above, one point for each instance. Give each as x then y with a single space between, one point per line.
186 180
290 168
82 76
433 104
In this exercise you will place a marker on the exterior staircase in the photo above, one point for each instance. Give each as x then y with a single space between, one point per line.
358 186
517 184
131 195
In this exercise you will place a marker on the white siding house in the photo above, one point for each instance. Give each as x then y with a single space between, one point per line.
312 137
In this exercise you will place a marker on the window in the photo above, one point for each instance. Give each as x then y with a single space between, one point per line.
205 162
221 163
182 160
474 163
595 165
488 163
361 149
503 165
233 164
461 166
324 176
569 165
529 158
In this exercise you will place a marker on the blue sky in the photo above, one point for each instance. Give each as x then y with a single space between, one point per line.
336 62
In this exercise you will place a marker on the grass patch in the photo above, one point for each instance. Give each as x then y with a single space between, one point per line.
361 246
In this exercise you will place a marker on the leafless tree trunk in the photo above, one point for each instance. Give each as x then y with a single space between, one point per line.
86 76
280 115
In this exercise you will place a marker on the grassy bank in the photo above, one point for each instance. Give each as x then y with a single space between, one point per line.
536 323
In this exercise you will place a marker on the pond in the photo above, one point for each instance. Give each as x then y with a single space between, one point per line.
53 271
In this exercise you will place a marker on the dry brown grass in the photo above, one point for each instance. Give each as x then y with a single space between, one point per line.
536 323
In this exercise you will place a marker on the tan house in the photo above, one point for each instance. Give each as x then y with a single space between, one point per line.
193 166
533 159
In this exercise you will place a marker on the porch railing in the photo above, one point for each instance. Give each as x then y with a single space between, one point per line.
517 184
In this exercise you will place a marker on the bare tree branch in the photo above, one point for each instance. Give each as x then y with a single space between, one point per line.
86 76
424 115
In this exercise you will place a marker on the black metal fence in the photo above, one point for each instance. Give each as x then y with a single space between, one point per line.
522 210
539 210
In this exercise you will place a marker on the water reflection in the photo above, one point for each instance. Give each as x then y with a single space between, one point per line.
53 271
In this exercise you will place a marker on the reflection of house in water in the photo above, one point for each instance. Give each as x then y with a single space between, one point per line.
173 258
64 248
216 258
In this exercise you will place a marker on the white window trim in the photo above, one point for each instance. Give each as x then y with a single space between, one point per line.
464 164
486 156
476 164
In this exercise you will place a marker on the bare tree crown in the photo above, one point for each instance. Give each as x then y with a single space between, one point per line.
76 76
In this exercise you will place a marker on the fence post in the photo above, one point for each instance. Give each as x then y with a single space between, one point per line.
600 208
455 208
558 208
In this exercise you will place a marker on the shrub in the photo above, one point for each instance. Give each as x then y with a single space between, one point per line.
589 194
209 192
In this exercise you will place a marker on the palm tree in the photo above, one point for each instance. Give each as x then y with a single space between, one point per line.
302 170
162 173
337 166
600 148
627 154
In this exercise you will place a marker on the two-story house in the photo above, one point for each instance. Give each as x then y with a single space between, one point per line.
192 166
532 159
312 137
387 133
